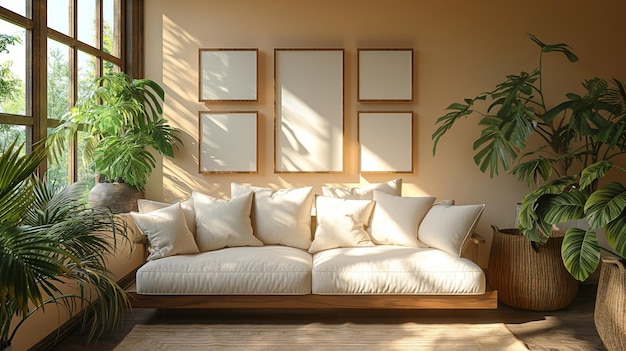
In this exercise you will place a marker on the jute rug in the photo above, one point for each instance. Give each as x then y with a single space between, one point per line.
319 336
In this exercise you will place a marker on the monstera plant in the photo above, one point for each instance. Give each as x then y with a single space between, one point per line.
53 249
579 138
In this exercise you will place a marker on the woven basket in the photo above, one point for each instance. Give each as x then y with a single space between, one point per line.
529 279
610 312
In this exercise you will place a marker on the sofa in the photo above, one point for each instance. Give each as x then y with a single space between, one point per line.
366 247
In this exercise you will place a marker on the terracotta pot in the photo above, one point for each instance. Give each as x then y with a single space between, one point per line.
610 311
529 279
119 197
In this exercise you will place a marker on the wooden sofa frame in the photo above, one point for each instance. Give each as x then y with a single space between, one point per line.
488 300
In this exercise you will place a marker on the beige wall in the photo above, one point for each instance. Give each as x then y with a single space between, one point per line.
461 49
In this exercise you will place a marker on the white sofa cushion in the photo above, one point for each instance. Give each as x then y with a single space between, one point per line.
223 223
341 223
395 219
277 270
389 269
280 217
393 187
145 206
447 227
167 232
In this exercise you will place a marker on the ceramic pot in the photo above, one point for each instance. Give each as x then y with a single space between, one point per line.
119 197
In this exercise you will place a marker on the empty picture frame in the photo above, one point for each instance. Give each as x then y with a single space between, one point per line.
228 75
385 75
386 142
309 110
228 142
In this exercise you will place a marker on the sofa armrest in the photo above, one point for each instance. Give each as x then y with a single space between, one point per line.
476 240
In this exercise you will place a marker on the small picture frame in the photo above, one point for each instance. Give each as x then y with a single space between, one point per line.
228 142
385 142
228 75
385 75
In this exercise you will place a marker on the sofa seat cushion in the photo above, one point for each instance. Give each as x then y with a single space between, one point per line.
237 270
390 269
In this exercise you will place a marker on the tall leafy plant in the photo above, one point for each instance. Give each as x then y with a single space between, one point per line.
582 132
119 121
49 239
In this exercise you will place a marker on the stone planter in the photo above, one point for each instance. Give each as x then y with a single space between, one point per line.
529 279
119 197
610 311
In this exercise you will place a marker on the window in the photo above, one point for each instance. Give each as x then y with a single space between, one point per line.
44 70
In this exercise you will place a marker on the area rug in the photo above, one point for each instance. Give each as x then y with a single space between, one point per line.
320 336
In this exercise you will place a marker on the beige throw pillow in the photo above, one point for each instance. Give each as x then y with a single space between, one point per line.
280 217
146 206
167 232
447 227
396 219
223 223
341 223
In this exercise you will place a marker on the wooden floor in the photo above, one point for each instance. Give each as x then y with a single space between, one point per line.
569 329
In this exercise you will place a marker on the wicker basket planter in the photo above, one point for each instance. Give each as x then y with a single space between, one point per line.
529 279
610 311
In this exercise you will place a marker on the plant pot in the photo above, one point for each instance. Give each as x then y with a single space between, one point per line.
610 310
529 279
119 197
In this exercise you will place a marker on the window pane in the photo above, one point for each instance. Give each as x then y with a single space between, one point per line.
58 79
110 67
58 170
86 74
12 69
59 16
8 134
17 6
87 22
111 32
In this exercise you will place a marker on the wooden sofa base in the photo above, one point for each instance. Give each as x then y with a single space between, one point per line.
488 300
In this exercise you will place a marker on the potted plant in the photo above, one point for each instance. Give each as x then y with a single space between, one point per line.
574 134
50 239
119 121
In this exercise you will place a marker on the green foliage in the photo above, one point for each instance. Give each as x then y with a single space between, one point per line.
121 118
49 238
9 84
586 130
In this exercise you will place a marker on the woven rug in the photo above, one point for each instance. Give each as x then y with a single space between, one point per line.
320 336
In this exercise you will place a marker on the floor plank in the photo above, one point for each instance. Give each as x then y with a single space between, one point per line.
568 329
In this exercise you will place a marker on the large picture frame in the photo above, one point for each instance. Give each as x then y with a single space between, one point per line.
228 75
385 75
309 110
228 142
385 142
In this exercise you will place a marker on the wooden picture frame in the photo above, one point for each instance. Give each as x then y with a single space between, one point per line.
385 142
228 75
309 110
228 142
385 75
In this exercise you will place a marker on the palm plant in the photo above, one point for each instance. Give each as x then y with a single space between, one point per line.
119 120
583 132
49 239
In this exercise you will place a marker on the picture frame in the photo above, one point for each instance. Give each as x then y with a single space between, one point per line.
228 141
309 110
385 142
228 75
385 75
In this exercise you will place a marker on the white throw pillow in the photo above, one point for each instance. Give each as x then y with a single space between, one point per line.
146 206
393 187
280 217
167 232
341 223
447 227
223 223
396 219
